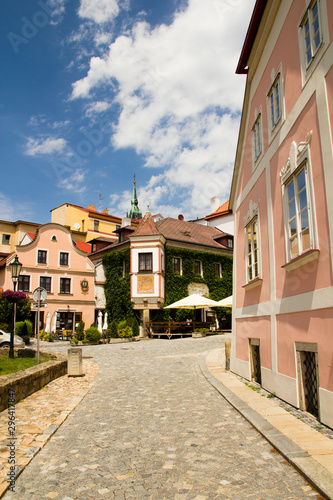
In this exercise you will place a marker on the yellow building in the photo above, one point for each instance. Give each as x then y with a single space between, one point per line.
11 234
86 224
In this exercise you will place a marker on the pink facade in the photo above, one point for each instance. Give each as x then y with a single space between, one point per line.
282 198
53 261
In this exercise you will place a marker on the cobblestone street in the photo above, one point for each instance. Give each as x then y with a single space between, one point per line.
153 427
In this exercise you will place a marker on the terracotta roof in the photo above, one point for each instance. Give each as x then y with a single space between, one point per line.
83 246
189 232
3 261
147 226
222 210
32 235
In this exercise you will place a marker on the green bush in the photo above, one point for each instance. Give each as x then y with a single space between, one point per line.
125 332
135 328
122 324
4 327
27 328
75 340
113 330
93 335
79 332
85 341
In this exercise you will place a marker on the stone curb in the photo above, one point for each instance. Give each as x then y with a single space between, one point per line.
313 472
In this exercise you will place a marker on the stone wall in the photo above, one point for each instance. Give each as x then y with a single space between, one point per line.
32 379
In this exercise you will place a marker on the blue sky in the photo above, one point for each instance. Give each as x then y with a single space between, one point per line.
95 91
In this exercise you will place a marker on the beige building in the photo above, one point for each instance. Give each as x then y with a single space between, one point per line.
12 233
86 224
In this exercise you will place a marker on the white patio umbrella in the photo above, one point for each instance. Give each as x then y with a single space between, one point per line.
194 301
48 323
99 321
54 327
227 302
105 324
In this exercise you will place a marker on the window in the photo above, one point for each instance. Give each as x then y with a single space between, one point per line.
252 250
96 224
177 265
146 261
5 239
197 268
63 259
24 283
218 270
125 267
257 138
94 247
65 285
45 282
42 255
298 214
311 32
230 243
274 102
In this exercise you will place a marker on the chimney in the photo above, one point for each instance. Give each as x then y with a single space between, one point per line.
92 207
105 211
215 202
180 217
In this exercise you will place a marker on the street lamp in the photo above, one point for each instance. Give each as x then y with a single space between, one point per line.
15 269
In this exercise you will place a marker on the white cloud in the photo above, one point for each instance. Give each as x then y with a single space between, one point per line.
74 182
97 107
179 99
99 11
47 146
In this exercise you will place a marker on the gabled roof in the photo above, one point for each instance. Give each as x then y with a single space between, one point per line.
222 210
147 227
4 260
189 232
100 214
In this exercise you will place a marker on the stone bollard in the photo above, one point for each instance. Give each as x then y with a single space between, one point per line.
75 362
227 354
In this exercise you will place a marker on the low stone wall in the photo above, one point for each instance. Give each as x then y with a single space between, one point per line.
26 382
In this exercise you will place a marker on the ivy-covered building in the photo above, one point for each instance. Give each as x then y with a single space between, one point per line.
162 261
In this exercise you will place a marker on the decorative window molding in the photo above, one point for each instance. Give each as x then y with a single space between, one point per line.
23 283
253 211
298 204
275 103
65 286
252 250
146 262
312 35
64 259
257 139
42 256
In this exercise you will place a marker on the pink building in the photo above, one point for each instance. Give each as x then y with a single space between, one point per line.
52 260
282 198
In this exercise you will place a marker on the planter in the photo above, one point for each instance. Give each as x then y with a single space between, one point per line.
198 335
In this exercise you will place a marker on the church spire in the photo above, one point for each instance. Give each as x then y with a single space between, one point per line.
134 212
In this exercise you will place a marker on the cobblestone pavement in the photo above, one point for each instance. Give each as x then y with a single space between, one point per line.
153 427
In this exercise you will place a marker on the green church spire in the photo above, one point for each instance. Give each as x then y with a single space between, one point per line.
134 212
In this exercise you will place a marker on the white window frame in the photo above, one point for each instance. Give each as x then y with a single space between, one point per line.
300 162
180 266
24 276
257 139
71 285
251 261
69 258
47 257
275 121
308 65
46 276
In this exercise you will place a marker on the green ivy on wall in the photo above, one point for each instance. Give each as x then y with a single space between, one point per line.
117 288
177 285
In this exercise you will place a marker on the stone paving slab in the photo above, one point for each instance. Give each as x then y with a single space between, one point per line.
39 416
308 450
151 427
